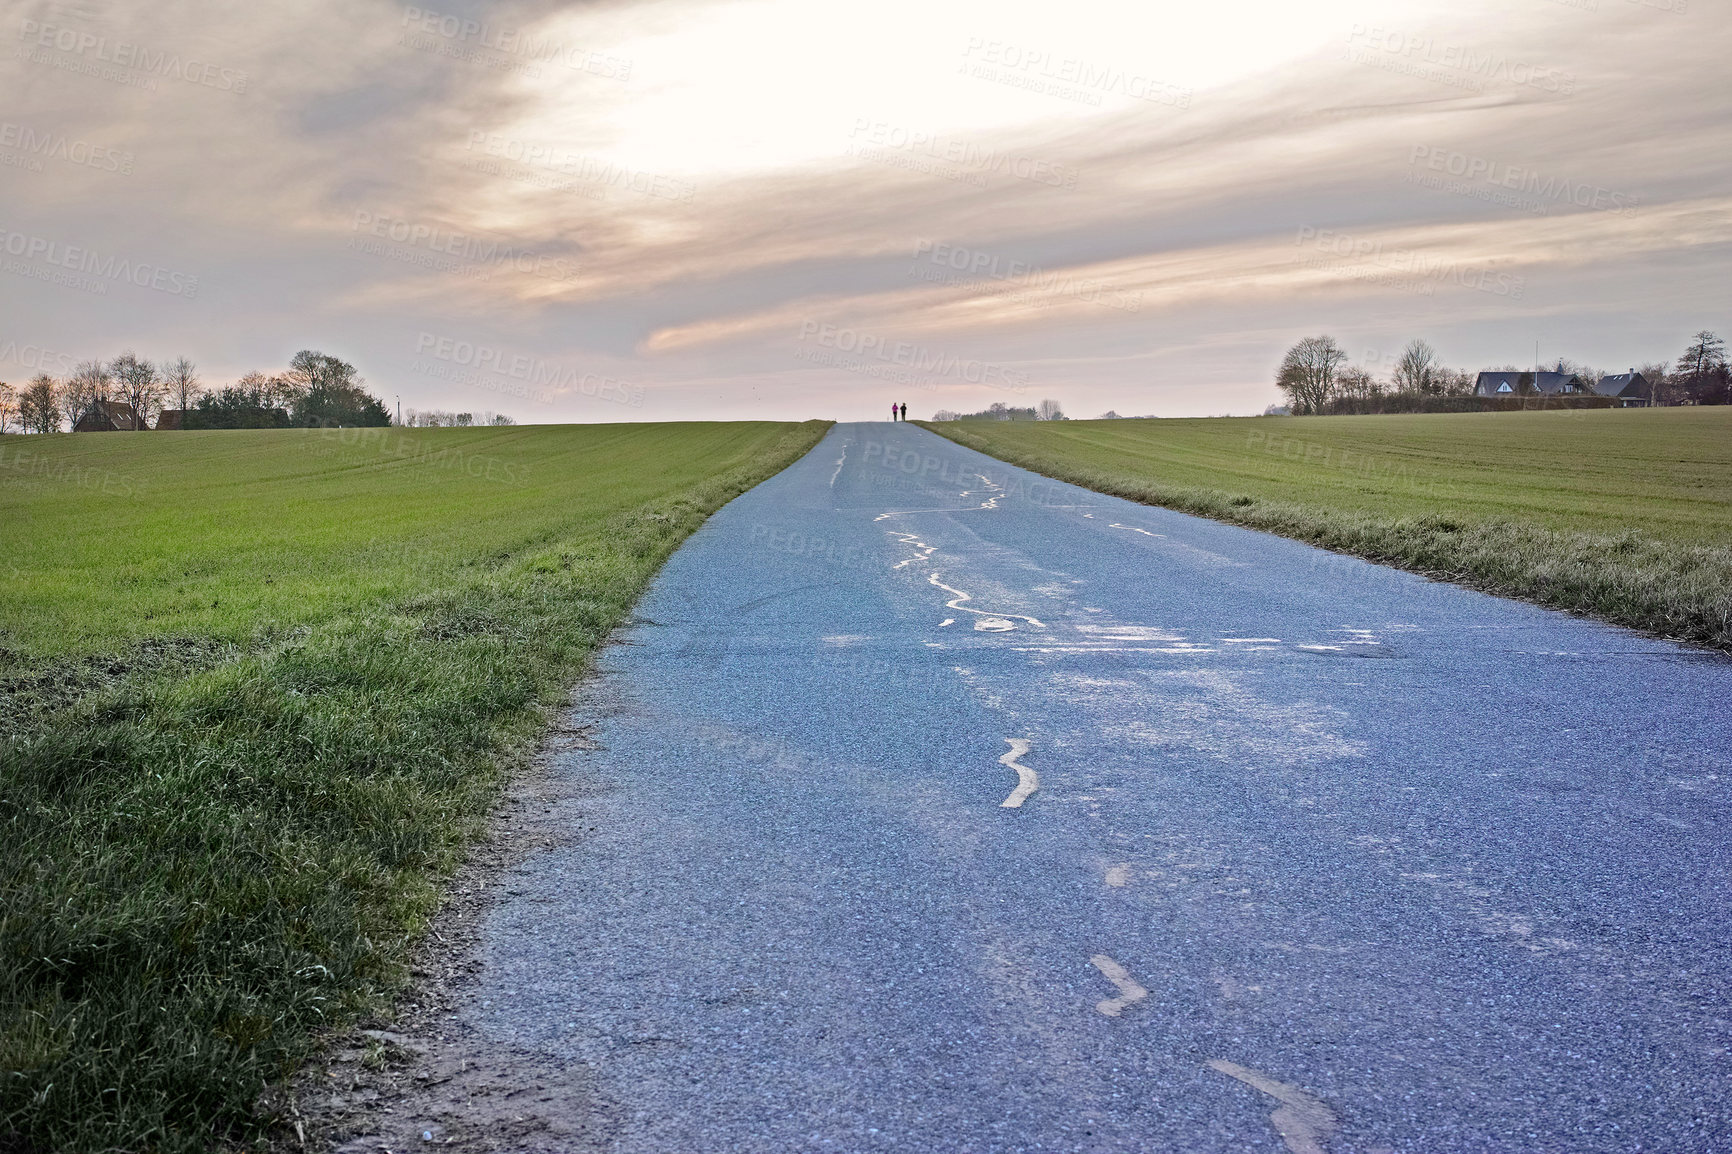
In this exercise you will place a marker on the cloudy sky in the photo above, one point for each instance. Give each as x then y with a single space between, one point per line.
794 208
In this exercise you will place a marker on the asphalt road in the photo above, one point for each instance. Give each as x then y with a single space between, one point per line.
1310 855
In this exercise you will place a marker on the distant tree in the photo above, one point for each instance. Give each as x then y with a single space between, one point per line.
1525 384
1307 373
138 384
946 415
39 405
331 393
1354 383
90 384
1702 376
8 406
256 401
1705 353
1050 411
501 419
1416 370
464 420
999 411
1660 383
1454 382
180 379
1590 374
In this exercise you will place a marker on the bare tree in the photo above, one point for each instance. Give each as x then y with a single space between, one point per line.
1357 384
1658 374
1307 373
139 385
1706 353
1454 382
8 405
1050 411
39 405
1703 377
180 378
90 385
1416 371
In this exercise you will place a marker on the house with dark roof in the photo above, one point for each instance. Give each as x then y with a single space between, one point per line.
170 419
1507 383
1630 390
109 417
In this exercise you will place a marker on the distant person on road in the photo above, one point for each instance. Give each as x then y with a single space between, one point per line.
893 410
905 411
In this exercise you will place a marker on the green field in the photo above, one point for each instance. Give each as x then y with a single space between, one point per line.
257 692
1621 514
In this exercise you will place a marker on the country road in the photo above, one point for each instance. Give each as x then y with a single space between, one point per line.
941 807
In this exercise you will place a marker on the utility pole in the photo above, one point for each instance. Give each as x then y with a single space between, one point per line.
399 411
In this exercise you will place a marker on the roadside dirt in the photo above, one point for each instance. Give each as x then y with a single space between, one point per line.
424 1079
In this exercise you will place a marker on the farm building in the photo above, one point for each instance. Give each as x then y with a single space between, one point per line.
1507 383
1631 390
169 418
108 417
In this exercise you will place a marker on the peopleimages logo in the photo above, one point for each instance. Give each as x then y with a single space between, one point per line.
27 141
122 54
1461 65
906 355
1346 253
965 154
1004 61
531 370
1472 169
38 357
956 264
586 169
89 262
514 42
462 246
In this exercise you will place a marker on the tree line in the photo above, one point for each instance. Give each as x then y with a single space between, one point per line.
442 419
1315 377
1047 410
316 390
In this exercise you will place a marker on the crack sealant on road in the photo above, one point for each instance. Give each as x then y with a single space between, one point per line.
1130 990
1302 1121
1027 781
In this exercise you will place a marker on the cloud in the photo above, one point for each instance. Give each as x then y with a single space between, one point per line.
1135 206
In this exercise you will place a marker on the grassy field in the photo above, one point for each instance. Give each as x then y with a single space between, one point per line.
1624 514
257 692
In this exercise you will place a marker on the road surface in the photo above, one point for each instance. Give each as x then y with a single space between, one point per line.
941 807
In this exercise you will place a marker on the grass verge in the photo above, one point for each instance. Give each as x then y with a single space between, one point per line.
215 844
1620 515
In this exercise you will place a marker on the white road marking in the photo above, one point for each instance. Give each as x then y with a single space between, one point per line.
1129 633
1119 875
923 550
1130 992
956 604
1302 1121
947 621
1184 652
1251 640
993 625
1027 781
1134 529
838 471
995 489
